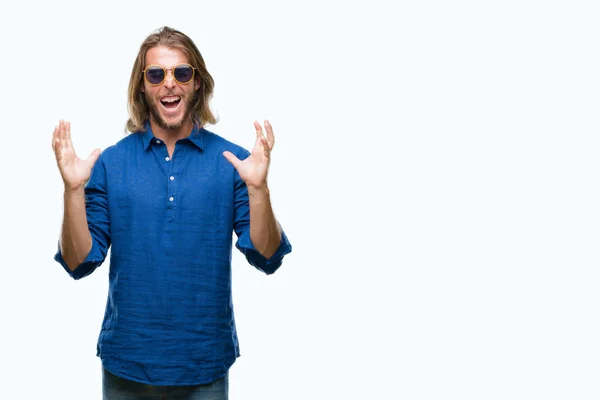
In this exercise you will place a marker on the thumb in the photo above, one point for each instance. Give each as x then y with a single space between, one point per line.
91 160
232 159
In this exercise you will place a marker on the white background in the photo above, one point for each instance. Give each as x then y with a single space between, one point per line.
436 170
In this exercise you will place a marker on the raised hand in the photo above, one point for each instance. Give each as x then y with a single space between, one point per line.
75 172
253 170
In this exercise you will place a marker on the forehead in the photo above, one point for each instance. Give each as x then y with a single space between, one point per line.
165 56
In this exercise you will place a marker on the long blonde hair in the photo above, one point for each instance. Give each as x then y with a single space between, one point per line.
137 105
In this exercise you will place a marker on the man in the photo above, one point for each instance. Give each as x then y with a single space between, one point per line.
168 197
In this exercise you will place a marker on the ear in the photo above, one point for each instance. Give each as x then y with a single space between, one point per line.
142 89
196 84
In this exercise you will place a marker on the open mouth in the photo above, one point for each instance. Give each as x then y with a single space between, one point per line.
170 102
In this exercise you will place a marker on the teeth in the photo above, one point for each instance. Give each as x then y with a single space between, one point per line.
170 99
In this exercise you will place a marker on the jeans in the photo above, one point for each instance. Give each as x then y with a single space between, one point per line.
117 388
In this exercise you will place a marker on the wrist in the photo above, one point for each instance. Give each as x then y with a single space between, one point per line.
258 191
78 191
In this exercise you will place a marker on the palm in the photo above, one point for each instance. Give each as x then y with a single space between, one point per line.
74 171
253 170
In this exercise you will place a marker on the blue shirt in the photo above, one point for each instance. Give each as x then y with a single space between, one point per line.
170 220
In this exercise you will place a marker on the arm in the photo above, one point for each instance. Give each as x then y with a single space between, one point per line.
76 243
75 237
265 231
264 243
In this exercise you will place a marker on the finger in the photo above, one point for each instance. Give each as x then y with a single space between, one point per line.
270 135
232 159
57 151
56 146
62 134
259 130
68 130
91 160
266 148
57 143
68 142
55 140
259 146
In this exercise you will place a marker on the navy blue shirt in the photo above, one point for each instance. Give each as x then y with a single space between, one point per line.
170 220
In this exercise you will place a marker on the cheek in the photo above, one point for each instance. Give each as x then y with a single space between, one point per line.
151 92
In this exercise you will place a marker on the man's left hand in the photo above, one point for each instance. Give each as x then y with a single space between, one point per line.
253 170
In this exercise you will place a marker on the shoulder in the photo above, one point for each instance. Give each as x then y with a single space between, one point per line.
129 141
220 144
121 149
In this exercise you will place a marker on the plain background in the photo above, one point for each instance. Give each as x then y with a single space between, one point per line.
435 169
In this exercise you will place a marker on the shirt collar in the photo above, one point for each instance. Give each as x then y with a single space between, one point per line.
197 136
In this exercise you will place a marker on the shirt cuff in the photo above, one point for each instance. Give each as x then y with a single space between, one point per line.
270 265
91 262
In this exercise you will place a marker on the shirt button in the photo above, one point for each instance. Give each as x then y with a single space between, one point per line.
158 142
171 198
167 158
172 177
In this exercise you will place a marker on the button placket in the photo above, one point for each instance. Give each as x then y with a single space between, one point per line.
171 189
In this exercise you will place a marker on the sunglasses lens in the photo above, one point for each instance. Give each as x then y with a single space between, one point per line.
155 75
183 73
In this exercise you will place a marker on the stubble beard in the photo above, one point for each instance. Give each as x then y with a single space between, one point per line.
159 120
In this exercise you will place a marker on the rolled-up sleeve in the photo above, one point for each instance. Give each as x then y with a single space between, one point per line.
242 230
96 206
266 265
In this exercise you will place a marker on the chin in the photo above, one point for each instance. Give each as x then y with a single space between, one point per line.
173 123
169 123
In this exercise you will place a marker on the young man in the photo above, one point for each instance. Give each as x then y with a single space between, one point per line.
168 198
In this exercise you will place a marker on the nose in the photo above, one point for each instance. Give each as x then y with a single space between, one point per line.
169 79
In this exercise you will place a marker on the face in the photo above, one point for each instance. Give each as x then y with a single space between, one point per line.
170 102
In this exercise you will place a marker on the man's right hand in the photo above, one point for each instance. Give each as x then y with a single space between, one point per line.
75 172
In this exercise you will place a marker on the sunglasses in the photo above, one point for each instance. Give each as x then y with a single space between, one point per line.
155 74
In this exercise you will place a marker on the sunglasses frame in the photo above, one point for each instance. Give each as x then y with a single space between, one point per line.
166 70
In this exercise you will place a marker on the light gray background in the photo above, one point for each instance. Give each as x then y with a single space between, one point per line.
436 170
